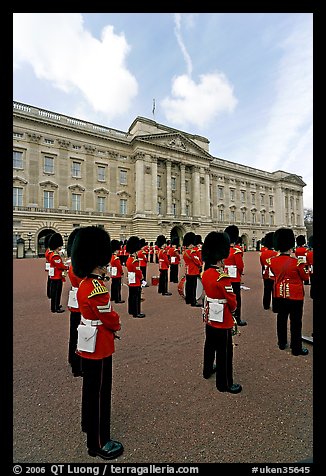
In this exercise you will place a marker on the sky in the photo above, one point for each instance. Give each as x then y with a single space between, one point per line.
242 80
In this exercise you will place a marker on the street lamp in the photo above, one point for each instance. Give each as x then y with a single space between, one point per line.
65 236
29 236
253 243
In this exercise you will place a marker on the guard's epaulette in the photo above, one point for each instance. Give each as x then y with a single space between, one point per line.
56 253
222 275
236 250
192 251
98 288
268 260
135 259
116 257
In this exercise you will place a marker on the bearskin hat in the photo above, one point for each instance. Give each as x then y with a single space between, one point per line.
189 238
175 241
115 245
142 242
70 241
233 232
284 239
269 240
90 248
300 240
133 244
198 240
55 241
46 240
216 247
160 241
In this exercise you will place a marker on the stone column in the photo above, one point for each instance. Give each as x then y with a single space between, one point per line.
154 185
183 189
139 185
208 197
168 187
195 192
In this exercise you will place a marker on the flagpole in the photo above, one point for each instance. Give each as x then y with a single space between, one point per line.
153 110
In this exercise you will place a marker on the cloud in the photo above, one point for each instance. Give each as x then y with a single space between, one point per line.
61 51
198 104
287 137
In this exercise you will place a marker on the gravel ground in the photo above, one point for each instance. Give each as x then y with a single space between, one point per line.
163 411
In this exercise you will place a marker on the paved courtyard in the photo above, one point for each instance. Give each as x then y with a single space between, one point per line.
163 411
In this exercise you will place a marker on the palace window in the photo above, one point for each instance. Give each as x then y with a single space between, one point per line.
101 173
271 200
76 169
17 159
123 177
174 209
17 196
232 194
48 165
242 196
253 198
220 193
243 217
159 181
48 199
76 201
123 206
221 215
101 204
173 183
159 208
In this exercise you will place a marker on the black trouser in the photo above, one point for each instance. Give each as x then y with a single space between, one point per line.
174 269
151 258
48 287
116 289
237 292
190 289
73 358
268 293
163 281
56 290
293 309
96 400
134 300
219 346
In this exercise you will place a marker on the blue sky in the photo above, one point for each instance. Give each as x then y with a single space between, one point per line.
242 80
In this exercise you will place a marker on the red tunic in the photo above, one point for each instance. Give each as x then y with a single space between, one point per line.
94 304
217 285
235 259
264 256
116 263
58 265
133 267
192 261
174 253
163 259
289 275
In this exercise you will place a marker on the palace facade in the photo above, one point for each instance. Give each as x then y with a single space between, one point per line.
149 180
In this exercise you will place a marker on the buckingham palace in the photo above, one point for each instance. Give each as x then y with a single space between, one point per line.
149 180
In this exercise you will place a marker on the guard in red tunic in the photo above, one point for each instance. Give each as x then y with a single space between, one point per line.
234 266
90 256
116 272
301 251
310 263
57 271
142 255
174 258
290 273
135 277
219 305
268 279
47 256
193 264
73 358
164 265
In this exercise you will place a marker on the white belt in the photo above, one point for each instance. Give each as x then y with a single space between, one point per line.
88 322
73 288
220 301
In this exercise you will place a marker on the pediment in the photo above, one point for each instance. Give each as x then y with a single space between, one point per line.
102 190
48 183
76 188
290 178
175 141
19 180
